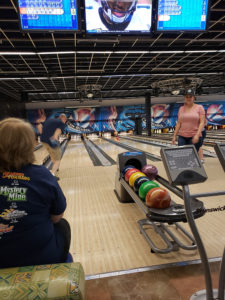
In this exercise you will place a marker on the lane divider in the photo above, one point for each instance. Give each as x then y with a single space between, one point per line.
112 161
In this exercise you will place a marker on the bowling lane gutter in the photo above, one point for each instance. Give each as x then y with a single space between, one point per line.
163 144
95 160
98 157
150 156
38 147
47 161
112 161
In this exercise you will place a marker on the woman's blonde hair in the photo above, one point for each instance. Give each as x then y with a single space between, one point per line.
17 139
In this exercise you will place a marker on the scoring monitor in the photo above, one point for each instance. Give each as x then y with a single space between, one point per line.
182 165
48 15
182 15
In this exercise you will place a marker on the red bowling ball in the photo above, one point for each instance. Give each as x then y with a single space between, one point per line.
158 198
129 173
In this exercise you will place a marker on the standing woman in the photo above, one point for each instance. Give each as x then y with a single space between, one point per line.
191 120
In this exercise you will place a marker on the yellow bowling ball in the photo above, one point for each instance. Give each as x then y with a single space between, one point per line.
135 176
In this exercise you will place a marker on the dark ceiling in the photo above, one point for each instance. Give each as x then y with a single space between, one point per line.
51 66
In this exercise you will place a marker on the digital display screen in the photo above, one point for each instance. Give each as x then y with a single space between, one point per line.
182 14
181 159
112 16
48 15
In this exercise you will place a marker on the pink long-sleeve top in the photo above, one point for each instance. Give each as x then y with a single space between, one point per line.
190 120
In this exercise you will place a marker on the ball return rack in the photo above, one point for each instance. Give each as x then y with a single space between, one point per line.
160 220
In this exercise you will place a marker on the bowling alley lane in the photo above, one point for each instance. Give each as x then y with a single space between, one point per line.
75 156
144 147
166 140
111 149
105 233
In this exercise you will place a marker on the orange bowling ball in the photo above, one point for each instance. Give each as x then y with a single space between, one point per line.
158 198
129 173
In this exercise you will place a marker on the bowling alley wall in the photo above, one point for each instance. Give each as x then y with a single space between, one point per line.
121 118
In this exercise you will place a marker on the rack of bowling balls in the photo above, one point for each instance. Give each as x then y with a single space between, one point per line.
160 209
144 184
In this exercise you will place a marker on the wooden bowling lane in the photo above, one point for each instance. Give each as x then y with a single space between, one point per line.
40 155
111 149
144 147
75 157
162 139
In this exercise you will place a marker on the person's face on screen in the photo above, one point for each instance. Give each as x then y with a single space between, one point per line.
118 12
119 8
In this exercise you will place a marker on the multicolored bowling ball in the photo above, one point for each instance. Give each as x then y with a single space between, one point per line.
158 198
129 173
135 176
125 169
145 187
138 182
150 171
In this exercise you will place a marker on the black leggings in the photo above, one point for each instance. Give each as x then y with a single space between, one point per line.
64 228
182 141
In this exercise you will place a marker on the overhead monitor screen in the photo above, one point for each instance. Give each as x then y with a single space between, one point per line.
122 17
50 15
182 15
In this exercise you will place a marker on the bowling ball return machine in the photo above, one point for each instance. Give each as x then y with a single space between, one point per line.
160 220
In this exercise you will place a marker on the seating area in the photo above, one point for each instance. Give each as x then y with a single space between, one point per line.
56 281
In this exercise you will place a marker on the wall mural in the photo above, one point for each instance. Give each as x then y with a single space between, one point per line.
121 118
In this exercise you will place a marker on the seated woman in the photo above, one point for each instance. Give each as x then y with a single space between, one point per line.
32 230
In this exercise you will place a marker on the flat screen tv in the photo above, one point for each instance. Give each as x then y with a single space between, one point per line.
182 15
48 15
118 17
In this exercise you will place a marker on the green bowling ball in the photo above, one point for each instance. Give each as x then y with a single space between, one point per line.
145 187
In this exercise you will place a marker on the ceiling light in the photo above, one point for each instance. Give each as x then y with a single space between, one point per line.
131 52
164 52
94 52
90 95
107 52
175 92
18 53
201 51
56 52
